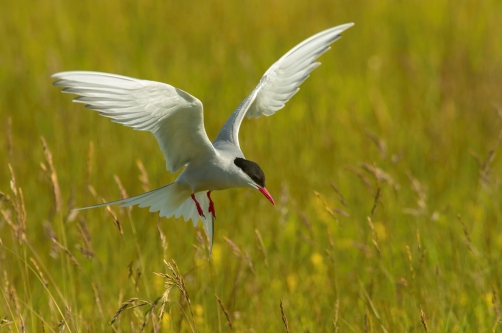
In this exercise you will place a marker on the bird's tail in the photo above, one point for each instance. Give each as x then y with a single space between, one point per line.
173 200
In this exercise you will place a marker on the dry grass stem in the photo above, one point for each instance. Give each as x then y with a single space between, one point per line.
53 176
115 219
467 240
5 322
284 319
85 235
65 249
175 279
326 206
424 322
372 306
11 293
495 302
12 181
123 192
330 238
340 195
72 213
40 274
421 250
375 237
143 177
341 212
375 202
6 198
97 299
366 182
129 304
491 155
163 238
93 191
70 319
202 239
23 215
19 208
377 173
380 175
86 252
419 190
464 228
134 276
306 222
335 320
240 254
49 232
330 256
485 176
410 260
15 227
229 321
382 147
18 205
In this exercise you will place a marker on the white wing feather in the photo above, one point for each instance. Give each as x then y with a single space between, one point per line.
281 81
175 117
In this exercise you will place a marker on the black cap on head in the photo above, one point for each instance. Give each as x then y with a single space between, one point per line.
251 169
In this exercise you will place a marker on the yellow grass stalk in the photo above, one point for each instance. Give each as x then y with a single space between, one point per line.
67 251
53 176
143 177
335 320
240 254
40 274
229 321
424 322
284 319
175 279
375 237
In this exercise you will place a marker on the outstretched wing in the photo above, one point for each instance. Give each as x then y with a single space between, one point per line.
175 117
281 81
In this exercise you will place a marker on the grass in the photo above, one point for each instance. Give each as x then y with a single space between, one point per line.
385 169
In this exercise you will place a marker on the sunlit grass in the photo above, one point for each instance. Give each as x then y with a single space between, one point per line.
384 168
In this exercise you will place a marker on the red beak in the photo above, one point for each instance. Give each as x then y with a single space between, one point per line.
264 191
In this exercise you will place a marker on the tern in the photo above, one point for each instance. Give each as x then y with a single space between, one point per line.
176 119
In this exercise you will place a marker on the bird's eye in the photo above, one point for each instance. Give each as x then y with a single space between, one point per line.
251 169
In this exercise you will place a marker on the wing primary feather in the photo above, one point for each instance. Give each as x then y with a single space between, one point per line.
147 106
281 81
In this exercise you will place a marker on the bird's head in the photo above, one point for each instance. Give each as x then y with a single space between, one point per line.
255 174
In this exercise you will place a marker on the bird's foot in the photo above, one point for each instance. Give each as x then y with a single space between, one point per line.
211 204
199 210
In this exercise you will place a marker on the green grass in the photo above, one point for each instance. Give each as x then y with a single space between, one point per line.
413 89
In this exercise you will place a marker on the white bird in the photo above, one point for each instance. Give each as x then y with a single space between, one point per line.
176 119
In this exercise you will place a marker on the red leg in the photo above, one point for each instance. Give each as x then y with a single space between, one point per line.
211 204
199 210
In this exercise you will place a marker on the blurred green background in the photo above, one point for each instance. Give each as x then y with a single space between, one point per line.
404 118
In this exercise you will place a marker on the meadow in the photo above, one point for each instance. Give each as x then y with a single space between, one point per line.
385 169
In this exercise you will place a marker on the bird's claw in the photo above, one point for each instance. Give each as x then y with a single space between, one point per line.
199 209
211 204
